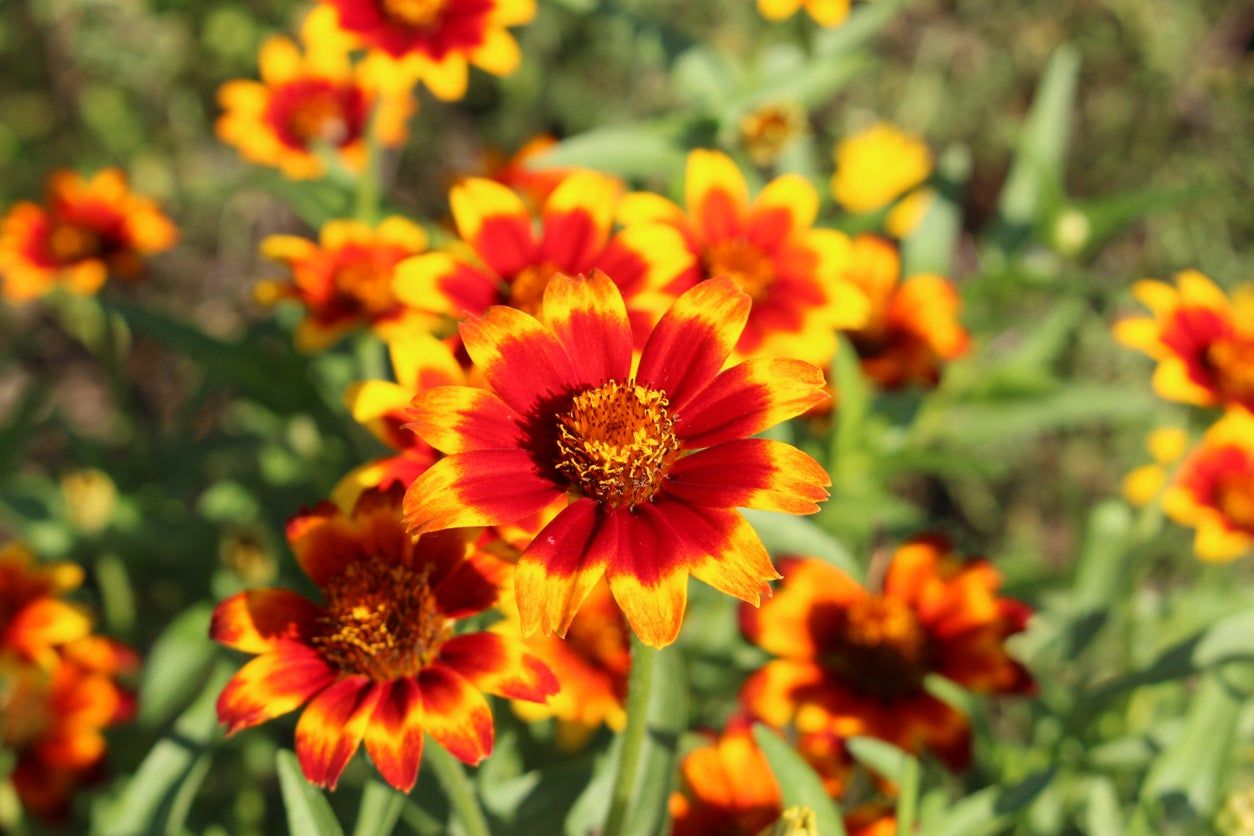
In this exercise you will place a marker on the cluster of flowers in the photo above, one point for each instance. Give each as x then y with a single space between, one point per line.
58 688
1203 342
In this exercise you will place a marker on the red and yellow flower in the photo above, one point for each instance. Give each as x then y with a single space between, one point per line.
1213 489
378 661
1203 341
825 13
913 327
311 101
344 279
653 463
726 787
87 230
436 41
853 662
876 166
507 257
769 248
34 620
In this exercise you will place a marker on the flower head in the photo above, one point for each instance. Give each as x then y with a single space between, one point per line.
825 13
854 663
1213 489
769 248
1203 341
876 166
913 327
34 620
310 101
654 462
379 660
435 41
344 280
767 130
87 230
726 787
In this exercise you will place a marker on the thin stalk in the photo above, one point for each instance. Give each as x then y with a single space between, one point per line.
368 185
908 800
461 795
643 663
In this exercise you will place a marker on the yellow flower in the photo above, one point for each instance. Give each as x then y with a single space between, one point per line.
826 13
1166 445
876 166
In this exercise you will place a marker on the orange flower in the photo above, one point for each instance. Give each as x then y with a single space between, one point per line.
378 660
345 279
435 41
1203 342
854 662
826 13
727 787
87 230
507 258
874 819
534 184
913 327
34 621
52 719
306 102
654 463
769 248
1213 489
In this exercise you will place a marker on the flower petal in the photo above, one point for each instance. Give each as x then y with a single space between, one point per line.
255 621
521 358
589 318
499 665
324 540
472 586
272 685
720 548
455 714
804 615
562 564
494 220
331 728
484 487
750 473
394 734
648 575
748 398
716 194
462 419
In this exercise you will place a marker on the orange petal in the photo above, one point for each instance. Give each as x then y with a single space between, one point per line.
324 540
485 487
722 548
394 735
562 564
750 473
499 665
716 194
494 220
589 318
461 419
255 621
521 358
749 398
455 714
272 685
331 728
804 615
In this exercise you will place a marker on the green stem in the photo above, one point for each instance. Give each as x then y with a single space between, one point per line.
643 662
368 183
461 795
908 800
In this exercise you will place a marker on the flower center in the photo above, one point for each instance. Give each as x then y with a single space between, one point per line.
617 442
1235 500
69 243
526 291
320 119
742 262
416 14
882 648
24 706
367 281
1233 362
381 621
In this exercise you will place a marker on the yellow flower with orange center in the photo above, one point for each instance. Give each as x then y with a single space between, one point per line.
311 102
769 247
507 257
379 661
87 230
34 620
344 280
1213 489
825 13
436 41
877 165
913 327
853 662
652 462
1203 341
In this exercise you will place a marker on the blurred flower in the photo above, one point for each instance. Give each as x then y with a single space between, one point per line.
913 327
87 230
34 620
435 41
507 258
766 130
874 819
824 12
247 556
533 184
344 280
726 787
90 499
876 166
378 660
1213 489
655 463
1203 342
769 248
52 718
1237 816
1166 445
311 103
908 212
854 662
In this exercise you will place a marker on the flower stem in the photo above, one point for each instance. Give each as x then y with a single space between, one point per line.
368 185
461 795
643 662
908 800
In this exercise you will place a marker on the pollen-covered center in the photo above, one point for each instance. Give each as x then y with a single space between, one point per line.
526 290
416 14
744 263
69 243
381 620
1233 363
882 647
616 442
368 281
319 118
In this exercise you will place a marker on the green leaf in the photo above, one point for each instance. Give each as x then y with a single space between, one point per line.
798 783
634 150
1102 814
308 811
988 811
380 809
177 666
853 403
930 246
785 534
879 756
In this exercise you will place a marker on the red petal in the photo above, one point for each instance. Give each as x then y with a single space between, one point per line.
256 620
749 398
331 728
521 358
455 714
394 736
486 487
460 419
562 564
590 320
750 473
272 685
499 665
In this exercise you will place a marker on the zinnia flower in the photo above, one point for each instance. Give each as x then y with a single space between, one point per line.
378 660
435 41
654 462
854 662
1203 342
876 166
305 103
34 620
1213 489
825 13
913 327
769 248
87 230
344 280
